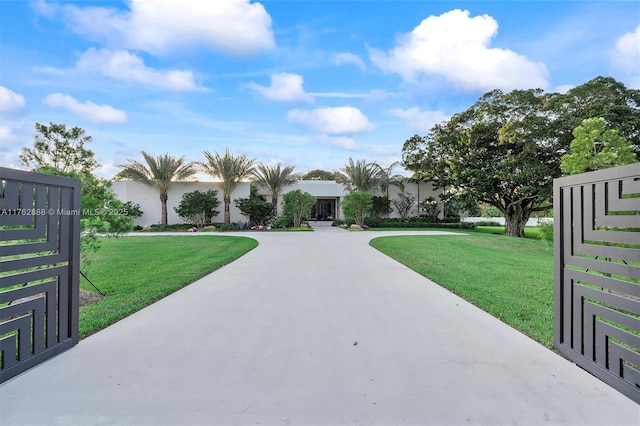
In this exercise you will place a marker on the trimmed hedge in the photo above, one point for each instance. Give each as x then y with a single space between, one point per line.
458 225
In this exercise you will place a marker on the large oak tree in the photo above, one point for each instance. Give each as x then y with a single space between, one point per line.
505 149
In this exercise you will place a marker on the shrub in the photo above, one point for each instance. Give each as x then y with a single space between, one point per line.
158 227
405 204
381 205
226 227
257 210
298 205
546 232
488 223
198 207
357 205
281 222
431 209
373 222
337 222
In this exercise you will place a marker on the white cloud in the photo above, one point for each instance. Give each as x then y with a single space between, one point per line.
348 58
419 120
343 142
335 121
87 110
284 87
456 46
158 27
10 101
122 65
627 56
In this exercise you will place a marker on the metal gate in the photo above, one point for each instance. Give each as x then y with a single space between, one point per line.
39 268
597 274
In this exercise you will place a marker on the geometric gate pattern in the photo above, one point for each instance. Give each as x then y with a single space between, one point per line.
597 274
39 268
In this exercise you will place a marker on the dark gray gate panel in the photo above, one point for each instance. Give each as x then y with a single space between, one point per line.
597 274
39 268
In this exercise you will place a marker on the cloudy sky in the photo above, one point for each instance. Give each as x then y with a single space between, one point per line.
306 83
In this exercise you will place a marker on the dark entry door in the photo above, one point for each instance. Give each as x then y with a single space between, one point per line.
324 209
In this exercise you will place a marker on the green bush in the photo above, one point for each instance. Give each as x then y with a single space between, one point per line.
488 223
373 222
298 205
546 232
255 208
337 222
281 222
357 205
170 228
226 227
415 224
198 207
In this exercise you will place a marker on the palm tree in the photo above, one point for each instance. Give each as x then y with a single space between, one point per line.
230 170
388 179
159 173
362 176
274 179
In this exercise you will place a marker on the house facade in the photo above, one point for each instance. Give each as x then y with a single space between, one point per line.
329 195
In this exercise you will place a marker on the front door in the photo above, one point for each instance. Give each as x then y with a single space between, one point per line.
324 209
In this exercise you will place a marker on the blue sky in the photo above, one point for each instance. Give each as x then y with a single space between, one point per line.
305 83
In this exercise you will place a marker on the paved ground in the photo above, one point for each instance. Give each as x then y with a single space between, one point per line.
311 329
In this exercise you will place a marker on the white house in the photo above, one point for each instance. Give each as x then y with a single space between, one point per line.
329 195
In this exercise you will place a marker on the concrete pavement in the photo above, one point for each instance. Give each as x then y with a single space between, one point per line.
311 328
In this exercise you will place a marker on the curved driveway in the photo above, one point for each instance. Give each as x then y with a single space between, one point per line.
306 329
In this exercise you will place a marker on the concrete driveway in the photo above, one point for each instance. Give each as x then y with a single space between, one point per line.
311 329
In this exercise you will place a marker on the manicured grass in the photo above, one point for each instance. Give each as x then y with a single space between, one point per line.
529 231
511 278
136 271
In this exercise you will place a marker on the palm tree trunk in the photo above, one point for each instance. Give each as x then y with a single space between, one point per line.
227 212
274 201
163 199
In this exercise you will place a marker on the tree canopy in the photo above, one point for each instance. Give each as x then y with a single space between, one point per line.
230 169
362 176
274 179
502 150
595 147
60 149
159 173
505 150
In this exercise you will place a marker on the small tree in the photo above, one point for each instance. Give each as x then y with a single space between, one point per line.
60 149
198 207
381 206
257 210
357 205
298 205
405 204
431 209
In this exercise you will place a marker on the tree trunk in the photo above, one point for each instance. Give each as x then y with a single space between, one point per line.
274 201
227 212
515 219
163 199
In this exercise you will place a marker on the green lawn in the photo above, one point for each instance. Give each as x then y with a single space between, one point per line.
136 271
511 278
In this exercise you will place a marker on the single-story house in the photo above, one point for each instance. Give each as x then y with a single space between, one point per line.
329 195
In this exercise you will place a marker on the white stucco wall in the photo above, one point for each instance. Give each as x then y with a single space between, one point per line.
149 200
331 189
